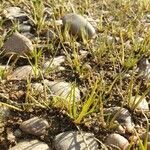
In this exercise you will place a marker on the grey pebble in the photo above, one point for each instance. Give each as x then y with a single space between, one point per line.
63 90
31 145
24 28
21 73
18 44
78 26
123 117
73 140
35 126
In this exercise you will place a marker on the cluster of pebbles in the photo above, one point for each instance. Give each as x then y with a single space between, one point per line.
21 44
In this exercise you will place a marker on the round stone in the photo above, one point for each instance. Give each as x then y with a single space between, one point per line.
122 116
116 140
54 64
78 26
139 102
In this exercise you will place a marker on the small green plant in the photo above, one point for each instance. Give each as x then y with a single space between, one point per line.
86 108
133 101
1 73
37 9
143 143
36 55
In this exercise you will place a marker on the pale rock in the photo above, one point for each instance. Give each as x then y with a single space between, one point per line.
110 39
116 140
14 12
128 45
78 26
24 28
123 117
93 22
18 44
4 67
83 54
48 12
35 126
140 39
58 22
10 136
63 90
37 87
31 145
54 63
21 73
147 18
141 103
73 140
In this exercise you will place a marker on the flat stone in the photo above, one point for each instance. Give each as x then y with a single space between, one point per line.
142 105
31 145
21 73
35 126
15 12
73 140
63 90
117 140
17 44
78 26
4 67
54 63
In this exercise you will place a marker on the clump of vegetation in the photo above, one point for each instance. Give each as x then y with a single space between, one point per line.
106 73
